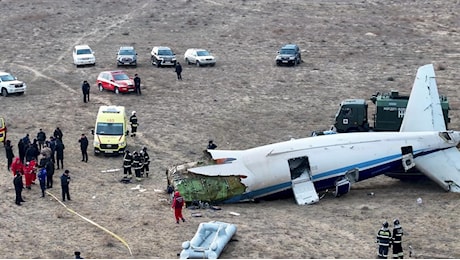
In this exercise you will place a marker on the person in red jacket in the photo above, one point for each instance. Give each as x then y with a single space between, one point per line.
17 166
29 173
177 205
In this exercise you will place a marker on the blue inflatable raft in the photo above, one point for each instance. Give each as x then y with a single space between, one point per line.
209 240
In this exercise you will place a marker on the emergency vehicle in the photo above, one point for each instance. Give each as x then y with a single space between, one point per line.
110 130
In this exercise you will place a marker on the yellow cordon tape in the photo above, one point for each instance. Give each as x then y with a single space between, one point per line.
92 222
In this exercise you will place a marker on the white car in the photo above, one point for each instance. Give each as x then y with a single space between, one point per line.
162 56
10 84
200 57
83 55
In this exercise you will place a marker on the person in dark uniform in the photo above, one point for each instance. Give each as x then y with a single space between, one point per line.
137 84
134 124
397 240
65 180
83 147
137 165
127 161
85 87
60 153
146 157
58 133
42 179
18 187
22 150
78 255
178 71
41 138
211 145
9 153
384 240
49 173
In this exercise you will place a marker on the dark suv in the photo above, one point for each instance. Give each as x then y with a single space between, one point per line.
289 54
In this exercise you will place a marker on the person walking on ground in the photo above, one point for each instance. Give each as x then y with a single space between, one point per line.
18 187
137 165
42 179
384 240
21 150
177 205
60 153
137 84
85 87
41 138
65 180
134 124
178 71
397 240
83 147
9 153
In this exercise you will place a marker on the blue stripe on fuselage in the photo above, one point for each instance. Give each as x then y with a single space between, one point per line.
327 179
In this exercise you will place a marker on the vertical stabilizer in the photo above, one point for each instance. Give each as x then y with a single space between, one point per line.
424 112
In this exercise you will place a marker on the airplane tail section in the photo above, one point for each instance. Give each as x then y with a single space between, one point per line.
443 167
424 112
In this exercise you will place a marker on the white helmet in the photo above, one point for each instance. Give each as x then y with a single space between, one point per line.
134 112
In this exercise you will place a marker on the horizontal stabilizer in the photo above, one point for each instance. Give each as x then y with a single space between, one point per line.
221 154
443 167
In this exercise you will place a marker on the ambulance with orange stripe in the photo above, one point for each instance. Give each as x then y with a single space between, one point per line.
2 130
110 131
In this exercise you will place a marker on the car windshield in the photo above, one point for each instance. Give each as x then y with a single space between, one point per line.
202 53
165 52
126 52
287 51
109 129
83 51
7 77
120 76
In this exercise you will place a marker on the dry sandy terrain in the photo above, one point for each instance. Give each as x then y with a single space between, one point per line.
350 50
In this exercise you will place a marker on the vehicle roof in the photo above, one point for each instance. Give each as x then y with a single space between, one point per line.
126 48
116 109
196 49
84 46
114 72
289 46
162 48
4 73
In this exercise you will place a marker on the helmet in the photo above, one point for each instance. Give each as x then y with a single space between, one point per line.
385 224
396 221
176 194
134 112
144 148
126 151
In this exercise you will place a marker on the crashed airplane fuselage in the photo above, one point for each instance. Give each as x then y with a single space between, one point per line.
313 164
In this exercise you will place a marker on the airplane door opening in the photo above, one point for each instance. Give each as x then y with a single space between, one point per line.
407 157
299 166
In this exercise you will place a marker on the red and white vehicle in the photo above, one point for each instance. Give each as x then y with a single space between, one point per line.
117 81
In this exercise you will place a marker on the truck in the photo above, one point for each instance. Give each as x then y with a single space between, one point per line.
352 115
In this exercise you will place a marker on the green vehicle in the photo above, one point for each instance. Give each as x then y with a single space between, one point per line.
352 115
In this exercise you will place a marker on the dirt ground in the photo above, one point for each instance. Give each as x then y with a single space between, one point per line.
350 49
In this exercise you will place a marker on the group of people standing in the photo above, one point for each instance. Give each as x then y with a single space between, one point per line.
386 240
36 158
139 161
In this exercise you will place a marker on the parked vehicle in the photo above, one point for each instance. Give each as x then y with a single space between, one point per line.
117 81
288 54
11 85
162 56
352 115
127 56
2 130
199 57
110 130
83 55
